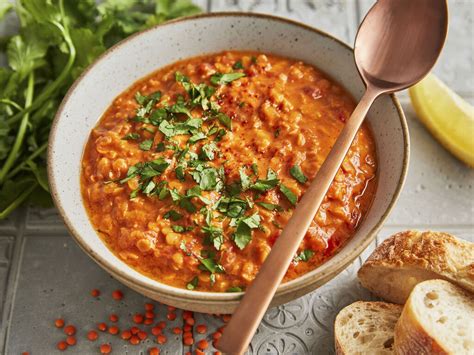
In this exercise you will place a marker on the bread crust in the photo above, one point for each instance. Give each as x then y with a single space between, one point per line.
424 255
413 336
412 339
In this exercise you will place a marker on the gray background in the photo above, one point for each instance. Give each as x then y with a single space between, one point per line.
44 275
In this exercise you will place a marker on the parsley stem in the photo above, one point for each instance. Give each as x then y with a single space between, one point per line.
51 88
20 166
18 201
11 103
14 152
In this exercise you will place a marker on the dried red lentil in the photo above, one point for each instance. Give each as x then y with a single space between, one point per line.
171 316
134 340
117 295
105 349
203 344
201 328
102 327
59 323
113 318
95 293
156 330
71 340
161 339
69 330
148 321
149 306
92 335
138 318
142 335
177 330
153 351
126 334
62 345
114 330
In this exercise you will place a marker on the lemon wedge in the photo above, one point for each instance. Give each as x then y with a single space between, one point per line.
446 115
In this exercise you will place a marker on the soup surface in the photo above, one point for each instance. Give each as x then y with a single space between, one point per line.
192 173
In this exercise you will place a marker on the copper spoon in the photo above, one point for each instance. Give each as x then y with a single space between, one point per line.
397 44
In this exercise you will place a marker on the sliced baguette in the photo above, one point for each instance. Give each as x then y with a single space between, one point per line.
438 318
408 258
366 328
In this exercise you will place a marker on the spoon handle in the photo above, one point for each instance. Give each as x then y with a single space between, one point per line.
239 331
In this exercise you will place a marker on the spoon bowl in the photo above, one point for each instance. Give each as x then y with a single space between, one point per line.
392 50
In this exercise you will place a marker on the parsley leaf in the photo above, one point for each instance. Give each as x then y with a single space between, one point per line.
234 289
193 283
214 236
244 179
131 136
243 233
211 265
238 65
208 151
225 120
222 79
270 206
173 215
289 194
305 255
296 172
146 144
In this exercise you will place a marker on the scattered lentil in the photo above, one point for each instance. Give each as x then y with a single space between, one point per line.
201 328
62 345
102 327
105 349
59 323
95 293
114 330
117 295
92 335
161 339
69 330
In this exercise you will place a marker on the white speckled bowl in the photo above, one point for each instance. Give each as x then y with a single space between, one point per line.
145 52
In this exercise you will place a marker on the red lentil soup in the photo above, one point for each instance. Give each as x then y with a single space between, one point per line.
192 173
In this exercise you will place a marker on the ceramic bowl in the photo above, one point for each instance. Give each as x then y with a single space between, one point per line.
147 51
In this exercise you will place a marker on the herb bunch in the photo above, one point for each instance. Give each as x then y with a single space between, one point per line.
57 40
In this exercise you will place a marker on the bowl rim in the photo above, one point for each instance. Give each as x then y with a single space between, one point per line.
169 291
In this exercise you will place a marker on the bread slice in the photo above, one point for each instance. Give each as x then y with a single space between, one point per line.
408 258
438 318
366 328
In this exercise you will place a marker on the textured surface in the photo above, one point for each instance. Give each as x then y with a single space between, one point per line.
44 275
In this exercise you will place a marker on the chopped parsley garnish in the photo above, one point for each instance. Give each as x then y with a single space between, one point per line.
244 179
145 99
211 265
225 120
181 229
296 172
222 79
193 283
264 185
234 289
173 215
243 233
238 65
214 236
208 151
305 255
255 169
270 206
289 194
131 136
146 144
